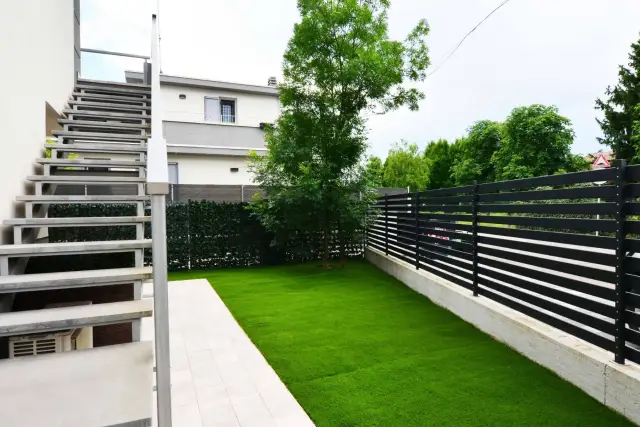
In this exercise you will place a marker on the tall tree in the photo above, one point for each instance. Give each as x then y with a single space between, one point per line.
406 167
621 110
473 161
375 171
339 63
439 156
537 141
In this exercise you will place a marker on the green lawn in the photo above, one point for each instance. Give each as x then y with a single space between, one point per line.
358 348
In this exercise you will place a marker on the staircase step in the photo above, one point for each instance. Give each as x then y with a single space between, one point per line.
113 90
94 124
99 148
73 279
104 386
106 115
114 98
62 199
74 317
98 136
108 106
115 163
86 179
94 83
70 248
78 221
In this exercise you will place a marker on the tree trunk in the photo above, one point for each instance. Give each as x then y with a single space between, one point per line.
325 254
342 246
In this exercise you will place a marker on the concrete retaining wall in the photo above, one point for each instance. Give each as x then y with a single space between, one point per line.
582 364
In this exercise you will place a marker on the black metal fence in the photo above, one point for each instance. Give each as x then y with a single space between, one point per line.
560 248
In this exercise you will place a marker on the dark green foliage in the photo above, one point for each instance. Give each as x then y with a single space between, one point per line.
474 153
439 156
621 109
200 235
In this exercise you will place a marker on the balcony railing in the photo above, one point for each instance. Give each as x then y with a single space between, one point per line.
222 118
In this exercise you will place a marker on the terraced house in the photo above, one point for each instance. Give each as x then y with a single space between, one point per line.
76 348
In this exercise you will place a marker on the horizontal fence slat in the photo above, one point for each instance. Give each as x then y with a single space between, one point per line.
577 285
467 274
632 190
560 266
551 250
632 265
597 175
551 208
632 208
632 282
558 309
602 191
430 254
445 249
446 208
632 227
424 265
446 191
633 172
569 328
562 223
396 196
575 300
552 236
461 246
446 233
631 335
425 200
428 250
632 354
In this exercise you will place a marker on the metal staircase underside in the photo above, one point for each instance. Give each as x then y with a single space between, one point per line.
106 129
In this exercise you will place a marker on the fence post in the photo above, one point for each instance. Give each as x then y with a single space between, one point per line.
474 237
417 214
620 261
386 224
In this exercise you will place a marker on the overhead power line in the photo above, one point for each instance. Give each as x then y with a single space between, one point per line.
465 37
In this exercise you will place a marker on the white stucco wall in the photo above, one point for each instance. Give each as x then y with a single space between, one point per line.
37 56
251 109
197 169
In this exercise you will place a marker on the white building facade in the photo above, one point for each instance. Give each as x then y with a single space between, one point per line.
212 126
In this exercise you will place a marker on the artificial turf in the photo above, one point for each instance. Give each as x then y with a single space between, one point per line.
358 348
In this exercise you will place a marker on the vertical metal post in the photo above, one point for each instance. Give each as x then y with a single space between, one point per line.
417 214
620 320
386 224
158 189
161 308
474 237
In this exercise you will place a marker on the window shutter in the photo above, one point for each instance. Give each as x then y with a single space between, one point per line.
212 109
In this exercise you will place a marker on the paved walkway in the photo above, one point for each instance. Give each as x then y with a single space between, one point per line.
219 378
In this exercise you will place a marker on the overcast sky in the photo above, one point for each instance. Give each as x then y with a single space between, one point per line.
556 52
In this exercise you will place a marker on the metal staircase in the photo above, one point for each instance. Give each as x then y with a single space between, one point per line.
107 127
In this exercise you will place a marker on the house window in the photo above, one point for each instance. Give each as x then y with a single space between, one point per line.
234 169
220 110
228 109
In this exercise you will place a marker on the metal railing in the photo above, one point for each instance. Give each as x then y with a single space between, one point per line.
158 188
146 69
222 118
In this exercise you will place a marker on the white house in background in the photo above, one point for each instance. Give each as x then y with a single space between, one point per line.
211 126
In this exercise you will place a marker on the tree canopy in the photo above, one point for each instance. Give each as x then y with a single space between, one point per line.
339 63
536 141
406 167
621 110
439 157
475 153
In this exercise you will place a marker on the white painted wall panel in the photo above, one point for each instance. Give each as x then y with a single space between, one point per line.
251 109
37 57
194 169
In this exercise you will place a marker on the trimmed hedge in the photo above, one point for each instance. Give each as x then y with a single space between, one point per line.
200 235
